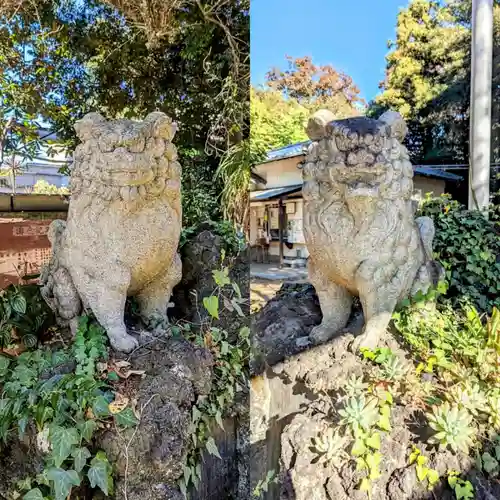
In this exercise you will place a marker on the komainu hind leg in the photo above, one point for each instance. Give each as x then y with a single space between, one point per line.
154 298
378 299
335 302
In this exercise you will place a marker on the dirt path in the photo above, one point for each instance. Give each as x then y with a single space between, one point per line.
261 292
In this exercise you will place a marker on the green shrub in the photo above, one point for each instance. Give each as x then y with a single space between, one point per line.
468 246
60 395
23 314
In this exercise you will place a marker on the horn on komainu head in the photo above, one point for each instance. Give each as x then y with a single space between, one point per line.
163 126
83 127
316 126
396 125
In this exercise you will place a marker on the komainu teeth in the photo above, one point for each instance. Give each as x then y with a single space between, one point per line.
125 193
142 191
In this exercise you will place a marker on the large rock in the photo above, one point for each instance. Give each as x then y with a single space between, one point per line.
201 255
291 403
149 460
281 328
359 223
123 227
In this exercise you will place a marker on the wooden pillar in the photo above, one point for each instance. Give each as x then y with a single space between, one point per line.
281 220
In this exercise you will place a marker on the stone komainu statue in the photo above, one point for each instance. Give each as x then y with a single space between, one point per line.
359 222
123 225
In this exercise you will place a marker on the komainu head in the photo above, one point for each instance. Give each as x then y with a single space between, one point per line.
125 159
360 157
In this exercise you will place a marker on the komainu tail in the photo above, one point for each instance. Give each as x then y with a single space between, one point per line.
431 272
58 289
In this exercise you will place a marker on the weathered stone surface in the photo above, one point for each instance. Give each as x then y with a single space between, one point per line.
295 399
151 457
123 225
200 256
359 223
281 328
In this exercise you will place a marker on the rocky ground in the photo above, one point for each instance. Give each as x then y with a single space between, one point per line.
295 390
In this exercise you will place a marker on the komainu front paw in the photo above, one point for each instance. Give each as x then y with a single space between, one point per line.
366 340
123 343
321 334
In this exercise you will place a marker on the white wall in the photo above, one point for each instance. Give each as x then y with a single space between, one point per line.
280 173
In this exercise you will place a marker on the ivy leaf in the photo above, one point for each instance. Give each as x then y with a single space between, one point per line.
34 494
98 473
62 441
490 465
80 456
365 485
237 308
237 290
221 277
358 448
218 419
384 421
373 441
87 429
421 472
212 306
212 447
64 480
100 407
126 418
196 414
414 454
432 477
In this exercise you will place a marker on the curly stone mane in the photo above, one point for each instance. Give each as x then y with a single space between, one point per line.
361 156
125 160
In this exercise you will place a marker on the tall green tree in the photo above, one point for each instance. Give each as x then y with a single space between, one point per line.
428 79
275 120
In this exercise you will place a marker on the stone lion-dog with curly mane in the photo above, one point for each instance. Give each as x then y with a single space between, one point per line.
359 223
123 226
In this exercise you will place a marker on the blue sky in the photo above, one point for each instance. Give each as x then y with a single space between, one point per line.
350 35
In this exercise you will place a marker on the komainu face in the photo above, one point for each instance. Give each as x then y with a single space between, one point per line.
362 158
125 159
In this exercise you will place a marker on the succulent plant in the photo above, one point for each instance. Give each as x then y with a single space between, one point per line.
331 446
470 397
393 369
453 426
355 386
360 414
